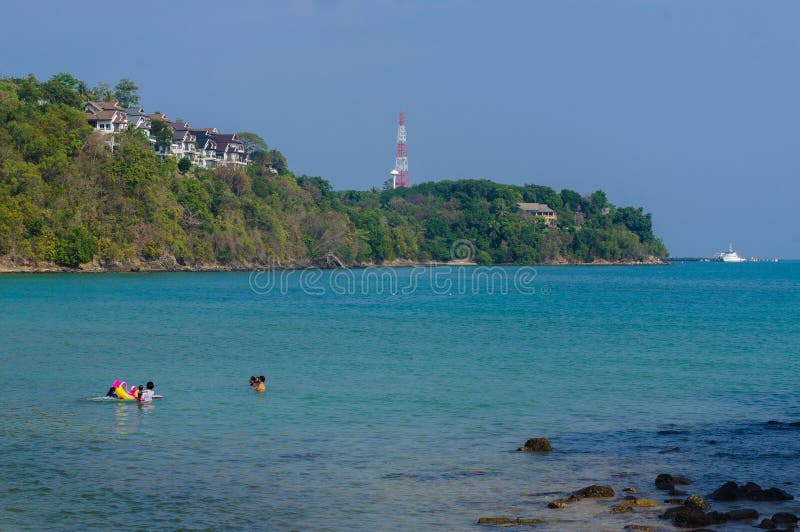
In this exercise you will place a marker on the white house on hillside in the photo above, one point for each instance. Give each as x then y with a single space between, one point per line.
107 117
202 146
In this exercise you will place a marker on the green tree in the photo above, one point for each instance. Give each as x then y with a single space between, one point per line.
184 165
161 131
101 92
277 162
255 146
61 91
78 248
126 93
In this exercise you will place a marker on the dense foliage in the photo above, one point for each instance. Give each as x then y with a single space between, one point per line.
423 221
67 197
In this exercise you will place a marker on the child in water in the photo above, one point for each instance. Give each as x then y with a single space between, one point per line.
261 385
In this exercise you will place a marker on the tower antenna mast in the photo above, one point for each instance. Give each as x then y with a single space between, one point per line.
401 155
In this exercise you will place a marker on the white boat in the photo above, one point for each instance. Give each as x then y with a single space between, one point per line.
730 256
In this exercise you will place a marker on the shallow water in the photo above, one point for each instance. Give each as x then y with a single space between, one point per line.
393 402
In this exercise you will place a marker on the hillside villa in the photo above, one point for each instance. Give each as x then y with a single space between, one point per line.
204 147
539 209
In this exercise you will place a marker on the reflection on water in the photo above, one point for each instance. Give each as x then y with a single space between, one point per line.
121 419
129 417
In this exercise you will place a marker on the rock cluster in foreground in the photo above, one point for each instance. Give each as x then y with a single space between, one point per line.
693 511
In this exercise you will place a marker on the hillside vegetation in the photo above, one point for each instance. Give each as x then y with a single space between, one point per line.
67 200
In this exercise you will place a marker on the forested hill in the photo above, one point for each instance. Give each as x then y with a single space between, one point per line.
66 200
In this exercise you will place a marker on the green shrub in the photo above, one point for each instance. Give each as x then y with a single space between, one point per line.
78 248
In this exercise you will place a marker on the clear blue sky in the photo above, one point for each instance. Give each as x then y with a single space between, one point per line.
688 108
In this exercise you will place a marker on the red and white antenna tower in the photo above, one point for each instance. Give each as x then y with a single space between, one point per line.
400 172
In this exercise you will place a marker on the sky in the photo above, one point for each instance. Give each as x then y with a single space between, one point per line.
688 108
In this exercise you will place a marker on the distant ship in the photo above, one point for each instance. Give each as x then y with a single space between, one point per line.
729 256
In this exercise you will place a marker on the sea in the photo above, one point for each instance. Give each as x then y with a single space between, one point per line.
396 397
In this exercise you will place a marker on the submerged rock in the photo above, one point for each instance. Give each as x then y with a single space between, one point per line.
696 501
730 491
727 492
563 503
641 503
672 450
537 445
691 516
767 524
671 432
785 518
508 521
643 528
741 514
595 491
772 494
620 509
629 490
665 481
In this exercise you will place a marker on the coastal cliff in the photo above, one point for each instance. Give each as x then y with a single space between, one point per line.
73 198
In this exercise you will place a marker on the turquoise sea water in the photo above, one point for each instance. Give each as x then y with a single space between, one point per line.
395 398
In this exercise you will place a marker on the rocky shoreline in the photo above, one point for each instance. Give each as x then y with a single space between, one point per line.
171 265
671 502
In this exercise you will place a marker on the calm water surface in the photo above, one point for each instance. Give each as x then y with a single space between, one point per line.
391 410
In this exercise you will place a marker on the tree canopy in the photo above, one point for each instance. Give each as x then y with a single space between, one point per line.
126 93
67 199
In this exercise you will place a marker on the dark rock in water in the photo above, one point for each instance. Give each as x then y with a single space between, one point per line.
711 442
641 503
506 521
696 501
629 490
784 518
741 514
774 422
563 503
794 424
674 501
537 445
772 494
671 432
766 523
727 492
749 488
620 509
691 516
665 482
595 491
673 450
717 517
677 493
730 491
